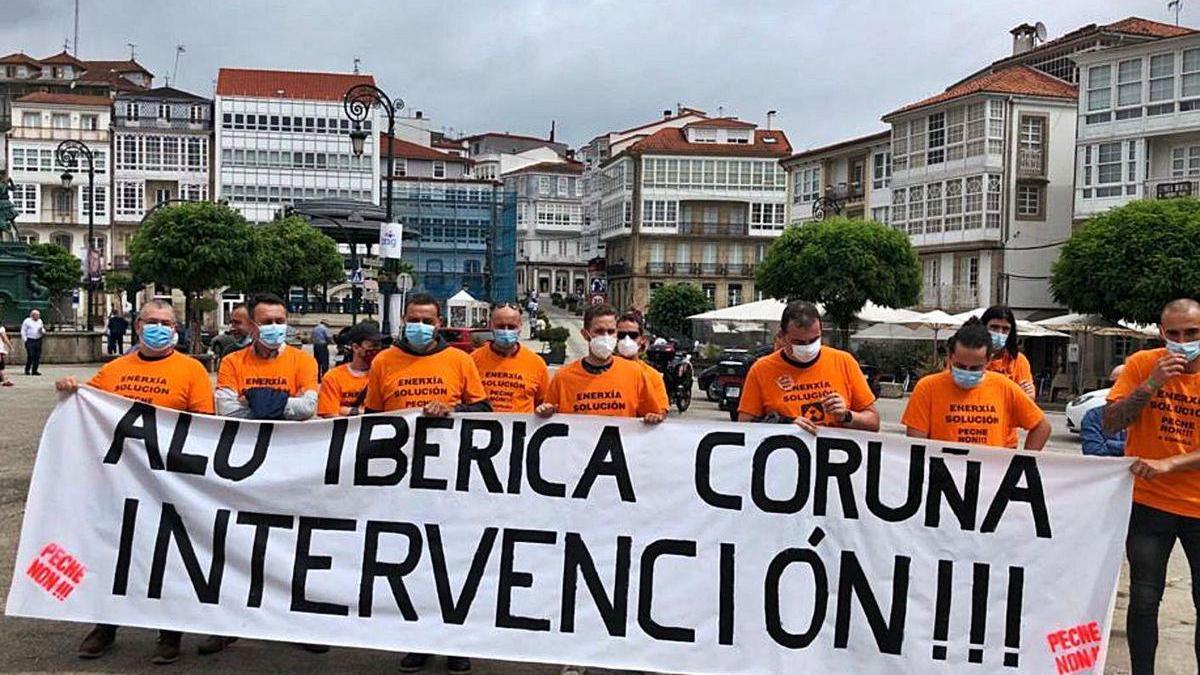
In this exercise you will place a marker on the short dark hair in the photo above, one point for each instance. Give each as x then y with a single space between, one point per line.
801 313
632 318
1005 313
972 335
422 299
593 311
263 299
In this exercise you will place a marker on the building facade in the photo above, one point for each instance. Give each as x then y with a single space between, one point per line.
496 154
852 178
549 228
700 202
283 136
161 152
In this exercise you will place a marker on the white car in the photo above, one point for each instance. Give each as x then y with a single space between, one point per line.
1077 408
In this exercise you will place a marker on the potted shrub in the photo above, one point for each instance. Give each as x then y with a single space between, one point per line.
557 339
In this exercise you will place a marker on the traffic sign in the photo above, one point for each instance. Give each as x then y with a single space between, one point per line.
355 277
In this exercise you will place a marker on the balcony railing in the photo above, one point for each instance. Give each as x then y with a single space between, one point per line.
848 192
1030 163
617 269
714 229
1169 188
59 134
950 297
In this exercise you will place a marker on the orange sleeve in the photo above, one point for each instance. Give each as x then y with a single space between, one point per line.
1022 371
329 398
200 393
227 375
751 401
375 380
1026 413
917 413
653 396
473 391
861 396
102 380
541 382
306 372
1131 378
554 390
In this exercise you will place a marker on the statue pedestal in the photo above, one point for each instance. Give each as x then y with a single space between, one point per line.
19 292
63 346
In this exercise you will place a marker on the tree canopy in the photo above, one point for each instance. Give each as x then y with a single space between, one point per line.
1128 262
60 272
194 247
294 253
672 304
842 264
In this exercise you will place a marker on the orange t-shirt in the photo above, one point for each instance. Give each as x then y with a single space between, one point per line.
1169 425
340 388
514 382
175 381
621 390
401 380
776 385
293 370
658 386
984 415
1018 370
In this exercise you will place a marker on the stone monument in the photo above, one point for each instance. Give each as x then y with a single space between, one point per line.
20 292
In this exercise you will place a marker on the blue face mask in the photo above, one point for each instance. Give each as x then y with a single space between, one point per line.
999 340
505 337
966 379
1188 350
418 335
272 335
157 336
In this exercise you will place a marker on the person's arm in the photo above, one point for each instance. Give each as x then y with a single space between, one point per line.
866 419
230 405
1152 468
1115 444
1028 416
916 417
474 396
1091 434
1131 393
302 407
1036 440
915 433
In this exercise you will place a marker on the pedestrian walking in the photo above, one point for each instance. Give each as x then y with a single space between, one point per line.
5 348
33 331
321 337
117 325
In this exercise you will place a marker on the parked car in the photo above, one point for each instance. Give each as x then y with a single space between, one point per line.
466 339
1077 408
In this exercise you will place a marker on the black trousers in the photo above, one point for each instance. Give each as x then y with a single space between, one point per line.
321 353
116 343
33 355
1152 536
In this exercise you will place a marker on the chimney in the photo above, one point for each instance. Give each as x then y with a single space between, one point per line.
666 114
1024 38
771 119
419 114
570 154
552 124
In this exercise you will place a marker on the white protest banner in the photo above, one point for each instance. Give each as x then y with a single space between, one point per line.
698 547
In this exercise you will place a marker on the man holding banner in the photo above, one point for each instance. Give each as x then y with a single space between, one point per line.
815 385
969 404
154 373
344 388
514 377
1157 398
631 342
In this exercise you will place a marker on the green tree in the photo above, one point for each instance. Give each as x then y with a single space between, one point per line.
672 304
194 247
842 264
60 272
294 253
1128 262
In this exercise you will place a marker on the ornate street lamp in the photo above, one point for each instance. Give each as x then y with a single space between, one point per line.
358 102
67 155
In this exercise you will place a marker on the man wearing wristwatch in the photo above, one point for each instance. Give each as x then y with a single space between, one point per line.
805 381
344 387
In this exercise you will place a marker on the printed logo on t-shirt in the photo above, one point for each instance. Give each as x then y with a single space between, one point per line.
973 420
785 382
1179 414
503 386
420 388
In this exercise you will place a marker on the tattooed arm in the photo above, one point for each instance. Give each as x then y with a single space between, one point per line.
1121 413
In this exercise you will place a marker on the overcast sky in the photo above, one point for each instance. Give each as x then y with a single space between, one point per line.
830 67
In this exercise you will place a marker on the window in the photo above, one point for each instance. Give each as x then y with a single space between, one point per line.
1162 79
543 185
1189 83
562 186
62 203
879 214
881 170
767 215
401 167
936 153
196 114
1099 92
89 122
710 292
162 195
24 198
439 169
735 294
1110 169
1031 159
130 198
62 239
10 72
101 202
931 270
1185 161
164 111
810 183
1129 83
60 121
1029 201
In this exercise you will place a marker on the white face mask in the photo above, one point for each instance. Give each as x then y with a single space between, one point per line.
806 353
627 347
602 346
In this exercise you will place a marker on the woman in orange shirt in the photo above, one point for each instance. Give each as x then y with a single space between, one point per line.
1006 360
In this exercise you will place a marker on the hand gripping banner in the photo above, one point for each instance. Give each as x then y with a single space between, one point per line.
698 548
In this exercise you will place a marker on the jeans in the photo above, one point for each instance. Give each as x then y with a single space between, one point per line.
1152 535
321 353
33 355
115 343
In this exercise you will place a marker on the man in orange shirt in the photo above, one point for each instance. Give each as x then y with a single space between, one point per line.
599 384
514 377
153 373
805 381
344 388
969 404
631 344
268 380
1157 399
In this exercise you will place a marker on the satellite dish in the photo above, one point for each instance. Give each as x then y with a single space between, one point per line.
1040 30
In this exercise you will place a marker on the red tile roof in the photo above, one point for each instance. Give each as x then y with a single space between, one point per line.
65 99
403 149
1016 80
1136 25
287 84
880 137
19 58
722 123
672 141
60 59
569 166
683 112
505 134
127 66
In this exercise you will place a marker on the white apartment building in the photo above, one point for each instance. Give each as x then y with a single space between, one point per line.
850 178
549 227
161 152
283 136
982 182
1139 124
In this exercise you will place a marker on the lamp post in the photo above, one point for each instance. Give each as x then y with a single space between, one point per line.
67 155
358 102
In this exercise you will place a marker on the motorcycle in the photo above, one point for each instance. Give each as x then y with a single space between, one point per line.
676 370
731 376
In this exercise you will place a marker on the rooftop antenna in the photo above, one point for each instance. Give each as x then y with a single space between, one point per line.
132 51
1175 5
356 62
179 49
76 42
1039 30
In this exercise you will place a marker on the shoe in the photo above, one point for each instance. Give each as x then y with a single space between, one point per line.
313 649
214 644
7 383
98 642
412 663
166 651
39 374
458 665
